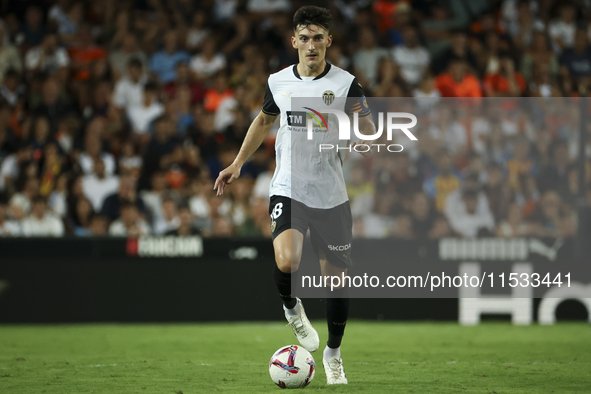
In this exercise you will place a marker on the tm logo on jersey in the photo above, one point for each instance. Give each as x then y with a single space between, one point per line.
302 119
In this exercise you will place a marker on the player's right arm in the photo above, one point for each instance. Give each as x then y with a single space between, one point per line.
257 131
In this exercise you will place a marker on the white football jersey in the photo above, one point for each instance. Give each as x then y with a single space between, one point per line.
303 172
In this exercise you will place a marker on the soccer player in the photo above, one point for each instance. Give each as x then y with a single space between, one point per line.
319 202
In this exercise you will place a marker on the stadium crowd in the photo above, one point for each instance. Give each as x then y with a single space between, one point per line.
117 115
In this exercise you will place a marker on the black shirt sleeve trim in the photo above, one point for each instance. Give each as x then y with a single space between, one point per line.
269 106
356 100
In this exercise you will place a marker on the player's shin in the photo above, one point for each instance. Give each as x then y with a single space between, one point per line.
283 283
337 312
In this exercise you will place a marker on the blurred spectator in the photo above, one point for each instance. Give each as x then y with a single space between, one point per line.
98 185
68 19
513 225
198 31
222 227
448 133
444 182
458 50
183 80
403 227
412 58
506 82
9 57
126 193
169 220
208 63
468 221
426 94
11 165
120 59
562 29
41 223
47 57
54 104
522 25
8 228
367 57
498 192
455 204
422 216
554 220
520 164
129 90
130 162
163 63
217 94
441 228
84 52
80 218
456 82
539 54
186 226
553 176
141 115
33 28
93 150
12 91
577 60
153 197
164 149
58 199
130 224
20 204
99 226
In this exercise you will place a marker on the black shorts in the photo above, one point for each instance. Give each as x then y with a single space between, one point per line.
331 230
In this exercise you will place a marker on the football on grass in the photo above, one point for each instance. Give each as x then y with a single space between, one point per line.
292 367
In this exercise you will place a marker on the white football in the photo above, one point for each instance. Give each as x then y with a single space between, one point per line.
292 367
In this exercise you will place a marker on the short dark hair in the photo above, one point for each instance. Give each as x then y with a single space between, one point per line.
135 62
312 15
38 199
151 87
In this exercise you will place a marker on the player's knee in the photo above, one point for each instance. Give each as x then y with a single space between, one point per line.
287 261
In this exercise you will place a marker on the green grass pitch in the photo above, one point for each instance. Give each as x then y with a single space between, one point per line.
379 357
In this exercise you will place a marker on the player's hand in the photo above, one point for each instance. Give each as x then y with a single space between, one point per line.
226 177
362 150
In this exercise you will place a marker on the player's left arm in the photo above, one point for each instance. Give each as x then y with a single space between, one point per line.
357 104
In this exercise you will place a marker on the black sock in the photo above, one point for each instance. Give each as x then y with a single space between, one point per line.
337 311
283 283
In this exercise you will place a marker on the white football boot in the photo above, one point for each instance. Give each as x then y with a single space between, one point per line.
335 373
303 330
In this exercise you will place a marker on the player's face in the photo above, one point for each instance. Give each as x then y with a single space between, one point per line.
311 43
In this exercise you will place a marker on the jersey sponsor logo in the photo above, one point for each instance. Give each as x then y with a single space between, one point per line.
302 118
328 97
317 116
296 118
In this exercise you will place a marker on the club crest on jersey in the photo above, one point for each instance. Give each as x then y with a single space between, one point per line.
328 97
